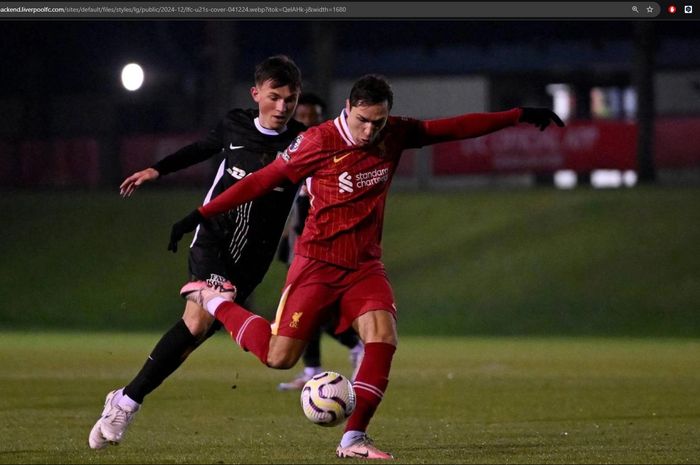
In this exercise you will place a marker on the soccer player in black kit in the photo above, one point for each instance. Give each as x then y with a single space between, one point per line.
231 252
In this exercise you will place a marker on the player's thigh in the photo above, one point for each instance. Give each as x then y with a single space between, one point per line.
376 326
308 294
207 258
368 305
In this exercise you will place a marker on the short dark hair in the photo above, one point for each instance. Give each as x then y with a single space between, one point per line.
371 89
309 98
281 70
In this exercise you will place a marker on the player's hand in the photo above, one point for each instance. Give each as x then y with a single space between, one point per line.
135 180
182 227
540 117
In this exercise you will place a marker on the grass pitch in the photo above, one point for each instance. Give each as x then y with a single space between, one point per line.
450 400
534 262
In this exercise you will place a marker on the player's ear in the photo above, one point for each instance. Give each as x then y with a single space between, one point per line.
255 93
347 106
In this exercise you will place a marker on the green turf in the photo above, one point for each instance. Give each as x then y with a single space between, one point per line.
542 262
451 400
514 262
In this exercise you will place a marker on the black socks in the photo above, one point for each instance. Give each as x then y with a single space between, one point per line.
172 349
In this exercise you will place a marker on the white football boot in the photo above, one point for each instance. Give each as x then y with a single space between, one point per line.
96 440
112 425
298 383
363 448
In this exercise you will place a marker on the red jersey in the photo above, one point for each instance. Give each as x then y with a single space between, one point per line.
347 186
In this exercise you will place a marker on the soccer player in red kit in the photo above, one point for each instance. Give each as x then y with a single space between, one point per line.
349 163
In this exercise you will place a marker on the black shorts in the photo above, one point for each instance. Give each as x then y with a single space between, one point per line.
209 260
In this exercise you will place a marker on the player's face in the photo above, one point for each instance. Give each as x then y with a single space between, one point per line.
309 115
366 121
276 105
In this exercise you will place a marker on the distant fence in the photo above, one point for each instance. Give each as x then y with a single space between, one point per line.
582 146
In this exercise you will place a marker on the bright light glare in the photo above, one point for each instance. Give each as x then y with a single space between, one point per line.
562 96
565 179
613 178
629 178
606 178
132 77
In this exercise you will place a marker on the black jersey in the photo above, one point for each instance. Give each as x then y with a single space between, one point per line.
239 244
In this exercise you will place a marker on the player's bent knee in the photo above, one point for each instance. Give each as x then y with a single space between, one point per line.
197 320
283 363
282 360
284 352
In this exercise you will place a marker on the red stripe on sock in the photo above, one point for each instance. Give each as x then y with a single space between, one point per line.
373 378
256 336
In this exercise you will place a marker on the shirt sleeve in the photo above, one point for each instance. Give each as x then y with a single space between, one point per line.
463 127
303 156
249 188
192 154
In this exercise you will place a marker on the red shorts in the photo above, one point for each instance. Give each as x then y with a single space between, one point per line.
314 287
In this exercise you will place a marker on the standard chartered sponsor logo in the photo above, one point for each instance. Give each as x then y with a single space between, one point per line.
366 179
345 182
371 178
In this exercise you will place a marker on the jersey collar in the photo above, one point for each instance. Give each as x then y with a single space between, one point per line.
268 132
341 124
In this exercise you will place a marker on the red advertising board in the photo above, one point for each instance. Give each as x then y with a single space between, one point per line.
580 146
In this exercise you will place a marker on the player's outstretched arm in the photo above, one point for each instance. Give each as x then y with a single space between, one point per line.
185 157
131 183
480 124
249 188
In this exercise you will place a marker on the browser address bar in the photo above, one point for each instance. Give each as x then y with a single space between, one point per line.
514 10
331 9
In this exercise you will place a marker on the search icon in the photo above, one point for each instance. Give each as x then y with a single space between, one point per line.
635 9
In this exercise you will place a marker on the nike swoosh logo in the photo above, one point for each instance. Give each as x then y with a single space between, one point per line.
336 159
235 147
365 454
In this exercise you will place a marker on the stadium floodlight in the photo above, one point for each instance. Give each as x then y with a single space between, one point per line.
132 77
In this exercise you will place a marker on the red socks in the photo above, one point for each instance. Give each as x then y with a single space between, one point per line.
370 383
250 331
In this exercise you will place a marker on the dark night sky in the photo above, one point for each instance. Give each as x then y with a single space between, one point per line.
82 56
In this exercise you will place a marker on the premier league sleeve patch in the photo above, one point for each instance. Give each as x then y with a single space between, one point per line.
293 147
295 144
284 156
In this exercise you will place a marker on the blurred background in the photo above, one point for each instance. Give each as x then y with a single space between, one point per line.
590 229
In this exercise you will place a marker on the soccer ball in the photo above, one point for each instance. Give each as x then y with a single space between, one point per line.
328 399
